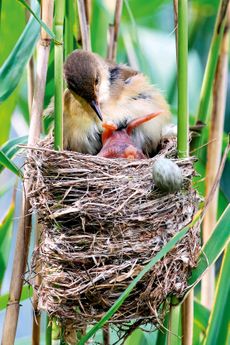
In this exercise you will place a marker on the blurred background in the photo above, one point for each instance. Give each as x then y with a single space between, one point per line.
146 42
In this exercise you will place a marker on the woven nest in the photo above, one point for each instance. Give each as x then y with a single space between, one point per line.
103 220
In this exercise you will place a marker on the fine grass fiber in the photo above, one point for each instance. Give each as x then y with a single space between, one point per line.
103 220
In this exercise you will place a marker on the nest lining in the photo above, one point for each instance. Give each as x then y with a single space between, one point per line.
103 220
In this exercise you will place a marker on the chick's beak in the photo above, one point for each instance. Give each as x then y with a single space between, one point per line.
97 109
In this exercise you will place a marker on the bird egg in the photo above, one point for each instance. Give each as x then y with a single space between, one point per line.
167 175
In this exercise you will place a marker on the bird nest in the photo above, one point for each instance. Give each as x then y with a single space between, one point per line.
102 222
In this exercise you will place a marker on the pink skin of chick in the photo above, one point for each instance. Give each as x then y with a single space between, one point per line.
118 143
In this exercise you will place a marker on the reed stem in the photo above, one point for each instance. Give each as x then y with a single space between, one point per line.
113 31
30 87
209 74
16 283
36 312
175 8
36 121
174 322
84 25
24 231
187 319
36 323
69 23
58 79
183 120
88 10
48 331
30 83
183 142
214 158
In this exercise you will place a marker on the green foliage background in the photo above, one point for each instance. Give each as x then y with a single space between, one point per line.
147 40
